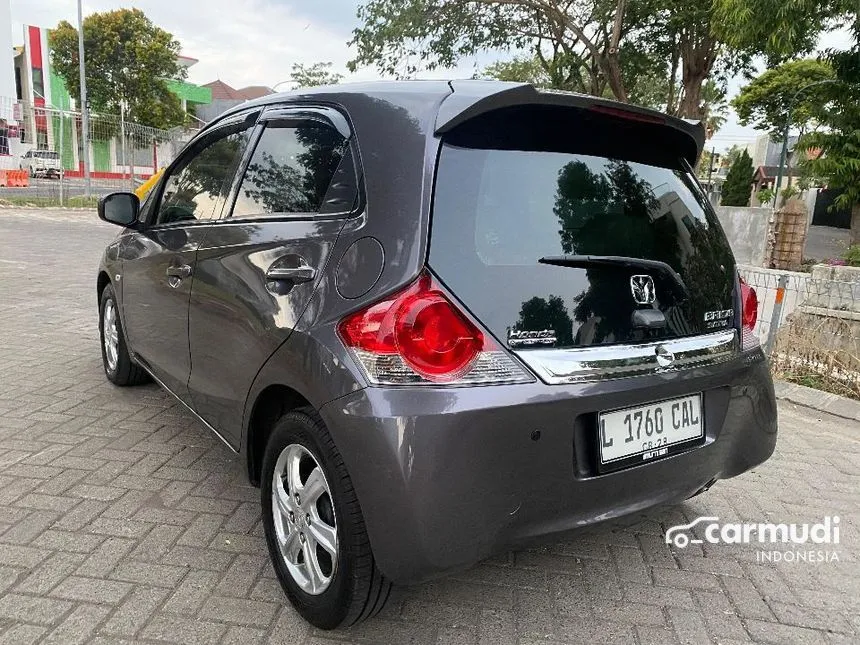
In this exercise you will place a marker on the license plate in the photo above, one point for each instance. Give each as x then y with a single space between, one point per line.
649 431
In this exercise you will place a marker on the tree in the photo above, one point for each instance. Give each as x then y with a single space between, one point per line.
738 185
834 151
778 29
314 75
399 35
128 61
713 107
652 52
778 96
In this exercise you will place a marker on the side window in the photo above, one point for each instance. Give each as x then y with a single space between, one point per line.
194 189
291 169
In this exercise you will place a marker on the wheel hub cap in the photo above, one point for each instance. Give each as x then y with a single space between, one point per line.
110 335
305 524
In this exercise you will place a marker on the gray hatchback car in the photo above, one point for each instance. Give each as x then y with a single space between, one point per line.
439 320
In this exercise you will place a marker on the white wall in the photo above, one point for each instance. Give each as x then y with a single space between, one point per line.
746 229
7 63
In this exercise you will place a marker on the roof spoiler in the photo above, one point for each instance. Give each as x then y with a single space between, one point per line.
471 99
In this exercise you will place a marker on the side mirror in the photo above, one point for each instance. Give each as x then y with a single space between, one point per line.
119 208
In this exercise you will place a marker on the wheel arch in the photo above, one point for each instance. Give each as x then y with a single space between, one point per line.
102 281
273 402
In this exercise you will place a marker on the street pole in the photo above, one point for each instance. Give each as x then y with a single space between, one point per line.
85 120
62 164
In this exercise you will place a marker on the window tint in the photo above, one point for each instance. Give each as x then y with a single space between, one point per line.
192 191
527 232
290 170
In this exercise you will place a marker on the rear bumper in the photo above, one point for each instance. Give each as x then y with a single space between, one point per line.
449 476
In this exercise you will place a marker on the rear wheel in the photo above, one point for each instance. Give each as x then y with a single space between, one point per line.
314 527
119 367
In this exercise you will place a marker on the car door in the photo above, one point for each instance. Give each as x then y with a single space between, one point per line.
259 266
159 258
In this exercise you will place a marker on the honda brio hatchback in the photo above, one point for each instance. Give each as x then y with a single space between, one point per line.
439 320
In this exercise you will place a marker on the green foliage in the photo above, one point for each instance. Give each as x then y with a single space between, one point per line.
834 151
128 59
778 29
652 52
765 196
738 185
644 81
732 156
789 192
707 160
852 255
768 102
314 75
713 106
522 69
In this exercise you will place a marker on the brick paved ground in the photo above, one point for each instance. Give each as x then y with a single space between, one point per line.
122 519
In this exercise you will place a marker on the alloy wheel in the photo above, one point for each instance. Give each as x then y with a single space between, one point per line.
304 519
110 335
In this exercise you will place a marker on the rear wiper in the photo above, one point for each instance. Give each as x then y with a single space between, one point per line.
591 261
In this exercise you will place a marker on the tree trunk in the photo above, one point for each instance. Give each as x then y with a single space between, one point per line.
612 62
697 59
855 224
613 77
673 73
691 96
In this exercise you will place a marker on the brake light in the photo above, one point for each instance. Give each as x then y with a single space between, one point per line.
628 115
419 336
749 316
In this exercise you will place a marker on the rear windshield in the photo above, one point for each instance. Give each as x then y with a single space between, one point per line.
499 211
45 154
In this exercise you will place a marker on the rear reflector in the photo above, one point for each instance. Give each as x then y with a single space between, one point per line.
418 336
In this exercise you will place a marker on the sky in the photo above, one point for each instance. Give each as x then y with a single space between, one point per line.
256 42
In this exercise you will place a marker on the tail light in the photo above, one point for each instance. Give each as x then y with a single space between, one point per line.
418 336
749 316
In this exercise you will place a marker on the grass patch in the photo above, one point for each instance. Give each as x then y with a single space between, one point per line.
821 352
39 201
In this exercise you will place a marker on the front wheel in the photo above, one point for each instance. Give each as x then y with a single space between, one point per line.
314 527
119 367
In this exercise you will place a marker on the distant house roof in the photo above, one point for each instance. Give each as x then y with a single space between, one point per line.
222 91
255 91
770 172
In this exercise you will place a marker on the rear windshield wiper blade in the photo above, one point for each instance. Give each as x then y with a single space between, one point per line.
591 261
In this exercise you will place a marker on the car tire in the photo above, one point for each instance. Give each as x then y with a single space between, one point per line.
355 589
119 367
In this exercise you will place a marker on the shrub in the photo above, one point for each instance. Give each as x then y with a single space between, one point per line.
765 196
738 185
852 255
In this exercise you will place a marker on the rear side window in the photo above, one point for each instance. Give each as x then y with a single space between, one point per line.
291 169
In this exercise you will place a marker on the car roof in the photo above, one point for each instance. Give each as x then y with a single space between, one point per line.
456 101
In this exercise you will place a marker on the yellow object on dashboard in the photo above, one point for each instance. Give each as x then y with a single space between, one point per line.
144 188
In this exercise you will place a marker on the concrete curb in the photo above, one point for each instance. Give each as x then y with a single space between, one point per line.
838 406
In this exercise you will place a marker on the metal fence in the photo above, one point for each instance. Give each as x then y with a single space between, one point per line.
809 326
45 143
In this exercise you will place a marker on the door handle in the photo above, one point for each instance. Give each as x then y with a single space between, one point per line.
296 275
181 271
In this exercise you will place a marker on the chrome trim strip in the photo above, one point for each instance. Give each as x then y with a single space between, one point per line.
187 407
603 362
